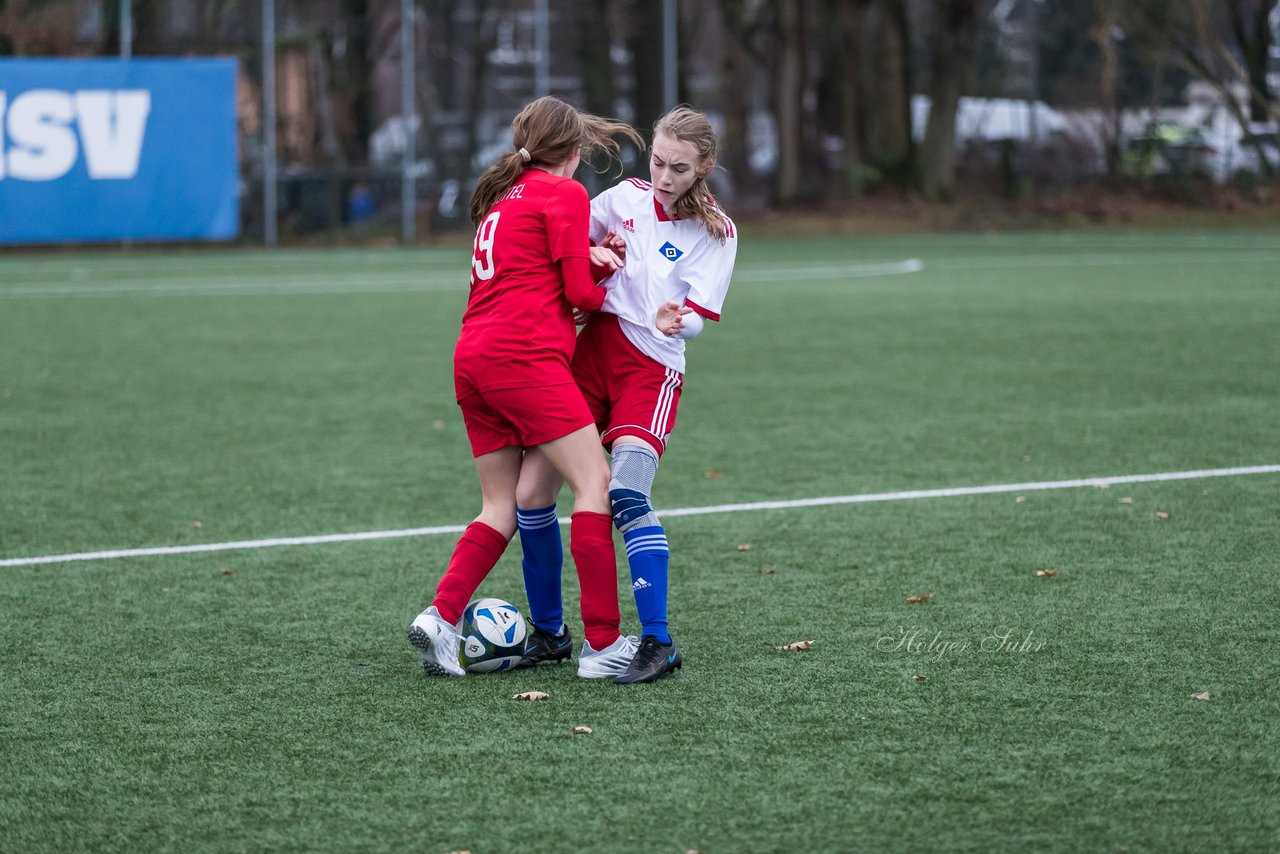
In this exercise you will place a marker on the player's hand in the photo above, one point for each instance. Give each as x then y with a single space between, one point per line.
670 319
617 244
581 317
602 257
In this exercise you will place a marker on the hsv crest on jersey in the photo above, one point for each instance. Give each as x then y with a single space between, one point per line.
670 252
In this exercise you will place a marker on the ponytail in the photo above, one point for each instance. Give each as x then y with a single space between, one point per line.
547 132
494 183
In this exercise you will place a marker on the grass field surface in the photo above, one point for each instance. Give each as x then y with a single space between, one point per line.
263 697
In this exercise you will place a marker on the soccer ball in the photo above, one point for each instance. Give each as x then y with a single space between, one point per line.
493 633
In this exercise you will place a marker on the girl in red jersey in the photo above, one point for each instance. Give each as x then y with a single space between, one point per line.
629 362
530 269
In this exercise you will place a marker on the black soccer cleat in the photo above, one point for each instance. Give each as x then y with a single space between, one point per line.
653 661
544 646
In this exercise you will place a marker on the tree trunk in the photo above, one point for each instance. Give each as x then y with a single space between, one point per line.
644 40
1109 77
594 54
1250 20
887 107
957 23
788 102
838 95
734 87
850 24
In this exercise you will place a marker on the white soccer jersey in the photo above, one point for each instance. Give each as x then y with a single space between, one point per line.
667 259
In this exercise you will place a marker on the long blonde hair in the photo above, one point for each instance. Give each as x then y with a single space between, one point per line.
546 133
685 124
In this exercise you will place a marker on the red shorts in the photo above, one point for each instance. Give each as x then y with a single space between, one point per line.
522 417
629 393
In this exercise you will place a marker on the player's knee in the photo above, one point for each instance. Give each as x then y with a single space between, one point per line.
633 469
535 496
629 507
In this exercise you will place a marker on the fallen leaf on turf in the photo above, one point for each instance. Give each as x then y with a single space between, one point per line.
796 645
714 474
438 424
1046 573
918 599
768 570
1200 695
531 695
1126 500
1020 499
197 524
745 547
1026 458
1162 514
920 677
1102 486
226 570
582 730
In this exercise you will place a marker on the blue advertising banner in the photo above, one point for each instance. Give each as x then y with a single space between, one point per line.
106 150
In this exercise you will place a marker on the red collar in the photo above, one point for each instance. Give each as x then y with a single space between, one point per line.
662 213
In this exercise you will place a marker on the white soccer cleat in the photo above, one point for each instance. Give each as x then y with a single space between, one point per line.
438 642
608 662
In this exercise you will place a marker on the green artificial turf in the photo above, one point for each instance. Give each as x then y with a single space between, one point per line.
264 698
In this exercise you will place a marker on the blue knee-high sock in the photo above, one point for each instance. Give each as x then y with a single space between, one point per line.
648 556
543 558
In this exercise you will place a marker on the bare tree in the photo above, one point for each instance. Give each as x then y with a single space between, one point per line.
1194 33
956 23
886 113
738 56
840 89
1102 33
1251 25
788 102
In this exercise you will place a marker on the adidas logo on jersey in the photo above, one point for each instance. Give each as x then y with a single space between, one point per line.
670 252
629 225
641 584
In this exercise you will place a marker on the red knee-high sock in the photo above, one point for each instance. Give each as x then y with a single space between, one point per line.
473 557
591 543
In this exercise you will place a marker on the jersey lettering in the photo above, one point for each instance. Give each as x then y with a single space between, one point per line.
483 264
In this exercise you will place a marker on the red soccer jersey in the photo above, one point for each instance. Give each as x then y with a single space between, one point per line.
518 328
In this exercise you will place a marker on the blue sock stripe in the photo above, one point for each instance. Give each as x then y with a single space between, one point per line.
543 556
535 520
643 545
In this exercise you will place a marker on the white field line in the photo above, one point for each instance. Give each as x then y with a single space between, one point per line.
187 282
284 285
262 286
865 498
834 271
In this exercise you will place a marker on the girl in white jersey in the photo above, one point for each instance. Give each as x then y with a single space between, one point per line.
629 362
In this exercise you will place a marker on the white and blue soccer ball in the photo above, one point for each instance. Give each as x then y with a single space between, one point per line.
493 635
